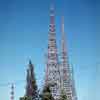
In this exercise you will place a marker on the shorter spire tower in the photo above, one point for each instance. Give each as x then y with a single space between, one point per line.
66 78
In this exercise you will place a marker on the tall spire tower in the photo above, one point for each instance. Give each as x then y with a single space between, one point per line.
52 76
67 81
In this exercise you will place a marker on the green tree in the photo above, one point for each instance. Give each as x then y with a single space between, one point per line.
46 93
25 98
63 95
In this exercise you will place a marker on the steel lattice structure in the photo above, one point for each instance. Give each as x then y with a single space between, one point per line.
52 67
61 75
66 74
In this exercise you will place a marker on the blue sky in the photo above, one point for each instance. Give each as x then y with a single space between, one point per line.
24 26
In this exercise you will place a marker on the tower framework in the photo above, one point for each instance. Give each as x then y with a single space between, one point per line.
52 67
66 71
59 75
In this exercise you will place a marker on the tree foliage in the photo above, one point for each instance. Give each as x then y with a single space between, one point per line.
46 93
63 95
26 98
